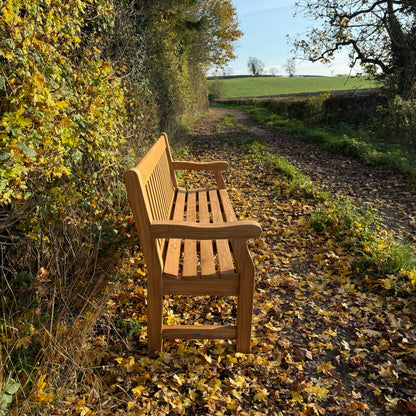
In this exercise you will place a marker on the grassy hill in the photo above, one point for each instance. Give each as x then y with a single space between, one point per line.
261 86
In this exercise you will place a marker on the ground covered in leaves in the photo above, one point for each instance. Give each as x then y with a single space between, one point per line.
321 344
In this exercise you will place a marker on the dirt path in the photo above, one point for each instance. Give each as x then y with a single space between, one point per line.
346 176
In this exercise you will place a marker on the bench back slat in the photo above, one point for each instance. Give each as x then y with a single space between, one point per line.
151 188
159 188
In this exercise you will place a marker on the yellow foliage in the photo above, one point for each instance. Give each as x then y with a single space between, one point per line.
61 114
40 396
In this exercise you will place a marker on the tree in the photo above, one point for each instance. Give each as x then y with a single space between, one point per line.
380 35
273 71
180 40
290 67
255 66
213 29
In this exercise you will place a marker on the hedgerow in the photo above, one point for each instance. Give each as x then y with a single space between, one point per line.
85 86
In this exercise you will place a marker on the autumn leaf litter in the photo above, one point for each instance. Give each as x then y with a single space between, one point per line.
321 345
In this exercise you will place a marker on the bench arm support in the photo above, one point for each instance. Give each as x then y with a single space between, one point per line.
215 167
198 231
212 166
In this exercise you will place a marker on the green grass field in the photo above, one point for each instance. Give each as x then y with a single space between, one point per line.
261 86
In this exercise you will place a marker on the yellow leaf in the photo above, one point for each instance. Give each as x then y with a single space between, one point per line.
179 378
138 390
377 392
321 393
296 397
238 381
324 367
193 395
241 355
66 121
232 404
81 408
43 397
219 348
261 394
130 406
208 358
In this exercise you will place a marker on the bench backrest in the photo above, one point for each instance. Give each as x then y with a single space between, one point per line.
151 188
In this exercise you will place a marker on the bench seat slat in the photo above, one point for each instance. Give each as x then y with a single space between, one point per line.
223 248
205 206
207 252
189 250
227 206
174 245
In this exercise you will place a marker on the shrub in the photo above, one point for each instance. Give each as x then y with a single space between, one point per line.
397 122
217 90
315 110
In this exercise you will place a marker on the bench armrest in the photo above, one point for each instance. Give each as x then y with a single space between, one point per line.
198 231
215 167
187 165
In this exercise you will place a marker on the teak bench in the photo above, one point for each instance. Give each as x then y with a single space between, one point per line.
192 243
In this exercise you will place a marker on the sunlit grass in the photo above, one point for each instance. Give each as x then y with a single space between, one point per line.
263 86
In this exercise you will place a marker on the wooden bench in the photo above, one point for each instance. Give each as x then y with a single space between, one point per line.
192 243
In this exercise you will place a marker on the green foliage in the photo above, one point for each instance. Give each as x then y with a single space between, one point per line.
315 112
181 39
388 258
8 389
131 326
379 35
397 122
342 214
217 89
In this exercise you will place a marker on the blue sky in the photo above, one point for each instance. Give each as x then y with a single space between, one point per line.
266 24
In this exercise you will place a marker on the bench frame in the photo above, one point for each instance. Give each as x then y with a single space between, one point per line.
153 194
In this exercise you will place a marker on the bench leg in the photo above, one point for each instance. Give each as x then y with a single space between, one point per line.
245 298
154 315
